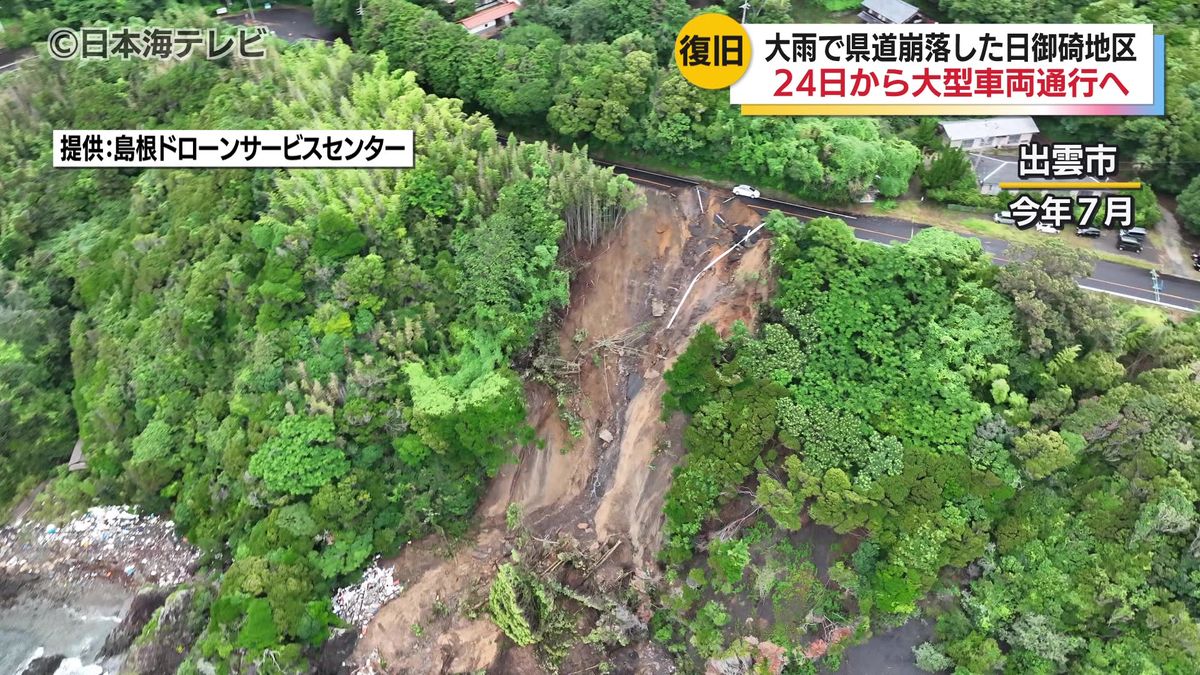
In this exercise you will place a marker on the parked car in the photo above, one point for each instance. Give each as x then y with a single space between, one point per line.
1087 231
1047 229
1127 243
1003 217
746 191
1137 232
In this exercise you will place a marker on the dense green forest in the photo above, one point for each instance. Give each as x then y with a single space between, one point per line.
601 73
304 368
941 413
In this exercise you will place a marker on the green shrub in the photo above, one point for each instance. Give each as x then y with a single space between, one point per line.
520 605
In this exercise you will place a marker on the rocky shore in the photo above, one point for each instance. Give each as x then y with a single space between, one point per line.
74 596
105 542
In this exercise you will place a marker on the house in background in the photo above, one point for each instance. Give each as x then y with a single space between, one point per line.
78 462
990 172
889 11
491 18
990 132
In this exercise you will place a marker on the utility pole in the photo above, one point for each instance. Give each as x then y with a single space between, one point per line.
251 8
745 6
707 268
360 8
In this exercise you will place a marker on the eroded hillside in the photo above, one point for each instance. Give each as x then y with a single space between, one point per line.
605 495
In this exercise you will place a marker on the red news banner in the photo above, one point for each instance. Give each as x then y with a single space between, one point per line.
1066 69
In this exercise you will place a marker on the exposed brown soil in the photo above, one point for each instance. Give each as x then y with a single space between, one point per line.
594 490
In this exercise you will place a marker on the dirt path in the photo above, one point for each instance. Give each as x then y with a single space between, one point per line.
21 509
596 491
1177 257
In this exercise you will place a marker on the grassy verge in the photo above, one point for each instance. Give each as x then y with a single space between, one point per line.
1150 314
988 228
968 223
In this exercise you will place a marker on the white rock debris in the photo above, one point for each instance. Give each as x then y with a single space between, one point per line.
111 542
358 603
372 665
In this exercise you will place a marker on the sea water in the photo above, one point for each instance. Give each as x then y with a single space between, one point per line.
74 626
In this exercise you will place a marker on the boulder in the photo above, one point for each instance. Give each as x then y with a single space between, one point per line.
335 652
136 617
43 665
177 627
729 665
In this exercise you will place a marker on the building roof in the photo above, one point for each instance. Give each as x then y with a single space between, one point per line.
486 16
989 127
77 462
896 11
995 170
992 170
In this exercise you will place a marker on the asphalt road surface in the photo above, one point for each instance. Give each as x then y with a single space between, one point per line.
1116 279
10 59
292 24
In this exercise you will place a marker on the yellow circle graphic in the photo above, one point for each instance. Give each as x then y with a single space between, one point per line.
712 51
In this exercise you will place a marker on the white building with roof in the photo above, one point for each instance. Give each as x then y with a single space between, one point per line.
888 11
990 132
78 461
990 172
490 18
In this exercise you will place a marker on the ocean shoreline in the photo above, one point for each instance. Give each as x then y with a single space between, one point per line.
41 617
65 588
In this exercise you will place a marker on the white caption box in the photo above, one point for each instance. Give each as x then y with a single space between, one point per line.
764 83
240 149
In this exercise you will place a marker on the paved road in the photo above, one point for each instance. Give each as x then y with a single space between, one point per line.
11 59
289 23
1113 278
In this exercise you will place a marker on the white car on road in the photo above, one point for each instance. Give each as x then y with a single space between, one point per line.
1047 229
746 191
